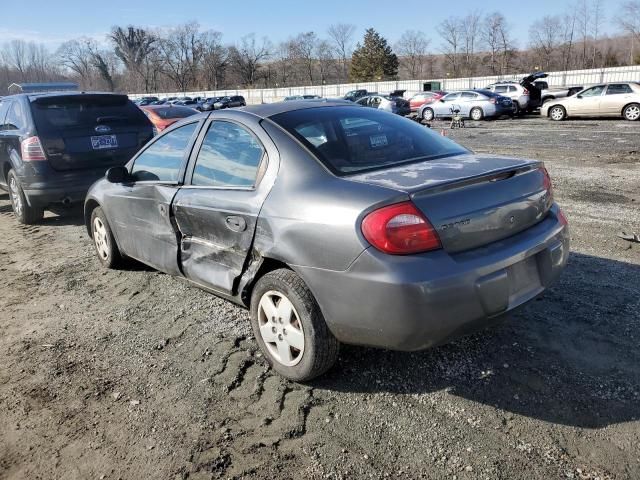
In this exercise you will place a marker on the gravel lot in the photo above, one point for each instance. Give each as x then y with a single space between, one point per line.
134 374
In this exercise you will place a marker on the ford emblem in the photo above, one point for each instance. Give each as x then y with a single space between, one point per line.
102 129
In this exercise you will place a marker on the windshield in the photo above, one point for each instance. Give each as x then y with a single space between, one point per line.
354 139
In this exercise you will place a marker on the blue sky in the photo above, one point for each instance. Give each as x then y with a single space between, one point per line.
53 22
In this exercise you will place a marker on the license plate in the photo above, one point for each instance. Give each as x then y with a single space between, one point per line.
523 277
104 141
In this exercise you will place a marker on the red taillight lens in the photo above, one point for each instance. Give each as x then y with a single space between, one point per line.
525 92
400 229
546 183
32 150
492 100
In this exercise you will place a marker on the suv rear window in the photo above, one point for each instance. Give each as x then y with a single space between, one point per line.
354 139
72 111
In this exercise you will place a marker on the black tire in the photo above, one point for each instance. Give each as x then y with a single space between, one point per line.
105 244
516 109
320 348
428 117
478 111
557 113
25 213
631 112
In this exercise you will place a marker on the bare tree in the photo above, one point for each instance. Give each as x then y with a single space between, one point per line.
629 20
325 57
451 32
412 50
568 37
341 34
76 56
597 21
181 51
303 49
545 37
14 55
132 45
214 59
470 26
247 57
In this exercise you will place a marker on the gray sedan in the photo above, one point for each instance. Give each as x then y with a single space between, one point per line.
473 104
334 223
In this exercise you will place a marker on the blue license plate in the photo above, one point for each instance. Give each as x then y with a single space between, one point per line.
104 141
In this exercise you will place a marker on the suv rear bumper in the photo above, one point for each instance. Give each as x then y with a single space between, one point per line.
415 302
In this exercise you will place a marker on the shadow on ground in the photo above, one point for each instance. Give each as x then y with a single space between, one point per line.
571 357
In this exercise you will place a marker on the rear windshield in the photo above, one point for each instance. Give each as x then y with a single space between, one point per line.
355 139
174 111
71 111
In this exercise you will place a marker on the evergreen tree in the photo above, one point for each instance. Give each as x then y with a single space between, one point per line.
373 60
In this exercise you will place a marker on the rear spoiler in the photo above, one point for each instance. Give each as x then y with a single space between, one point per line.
100 98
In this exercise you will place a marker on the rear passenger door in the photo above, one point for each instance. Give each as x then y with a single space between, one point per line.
467 102
615 98
217 210
140 209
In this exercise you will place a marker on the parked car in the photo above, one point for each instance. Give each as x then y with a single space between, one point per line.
387 103
163 116
230 102
520 96
620 99
145 101
398 238
424 98
473 104
53 146
209 103
355 95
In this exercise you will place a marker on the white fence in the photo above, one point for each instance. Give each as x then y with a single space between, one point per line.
268 95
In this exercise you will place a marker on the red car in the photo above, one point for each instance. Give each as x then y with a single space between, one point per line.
423 98
163 116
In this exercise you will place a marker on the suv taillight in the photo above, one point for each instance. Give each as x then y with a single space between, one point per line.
32 150
525 92
492 100
400 229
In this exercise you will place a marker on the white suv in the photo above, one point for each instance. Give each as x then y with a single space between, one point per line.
516 92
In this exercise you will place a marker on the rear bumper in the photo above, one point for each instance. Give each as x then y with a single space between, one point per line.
47 186
419 301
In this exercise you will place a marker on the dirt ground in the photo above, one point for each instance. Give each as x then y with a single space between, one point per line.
133 374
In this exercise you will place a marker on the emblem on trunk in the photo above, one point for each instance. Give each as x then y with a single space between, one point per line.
459 223
102 129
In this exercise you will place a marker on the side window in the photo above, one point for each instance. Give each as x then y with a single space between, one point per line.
230 156
618 89
15 117
4 107
163 159
451 97
468 96
512 88
593 92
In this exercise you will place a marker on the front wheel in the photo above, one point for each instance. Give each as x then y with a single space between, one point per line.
289 327
631 112
25 213
557 113
476 114
427 115
103 240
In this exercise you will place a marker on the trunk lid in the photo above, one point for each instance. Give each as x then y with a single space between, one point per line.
472 200
85 131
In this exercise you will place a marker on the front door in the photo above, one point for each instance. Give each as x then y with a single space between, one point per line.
140 209
588 102
217 210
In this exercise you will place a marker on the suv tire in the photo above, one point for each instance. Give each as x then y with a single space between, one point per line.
25 213
289 327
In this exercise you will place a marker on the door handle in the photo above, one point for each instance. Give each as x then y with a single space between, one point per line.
163 209
235 223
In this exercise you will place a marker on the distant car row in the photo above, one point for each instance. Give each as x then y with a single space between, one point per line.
202 104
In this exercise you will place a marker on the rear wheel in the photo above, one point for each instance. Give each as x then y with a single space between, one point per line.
289 327
25 213
476 114
516 109
557 113
427 114
632 112
103 240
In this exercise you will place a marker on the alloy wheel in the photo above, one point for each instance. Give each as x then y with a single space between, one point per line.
281 328
476 114
632 112
557 113
16 197
100 238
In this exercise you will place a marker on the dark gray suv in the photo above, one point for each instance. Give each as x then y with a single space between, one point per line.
53 146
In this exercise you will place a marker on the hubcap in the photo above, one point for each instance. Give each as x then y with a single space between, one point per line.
557 113
476 114
100 239
427 115
633 112
281 328
16 198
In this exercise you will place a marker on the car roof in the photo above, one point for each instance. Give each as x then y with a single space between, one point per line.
269 109
33 96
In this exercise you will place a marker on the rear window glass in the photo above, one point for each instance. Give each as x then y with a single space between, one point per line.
353 139
173 112
61 112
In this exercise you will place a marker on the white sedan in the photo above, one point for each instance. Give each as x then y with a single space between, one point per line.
606 100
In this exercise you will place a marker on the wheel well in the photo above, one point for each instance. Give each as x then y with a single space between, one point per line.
554 106
267 265
88 210
629 104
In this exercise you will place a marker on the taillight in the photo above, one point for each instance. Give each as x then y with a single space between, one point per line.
400 229
561 217
525 92
32 150
492 100
546 183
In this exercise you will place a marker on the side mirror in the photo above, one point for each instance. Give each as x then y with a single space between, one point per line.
442 100
117 174
578 96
